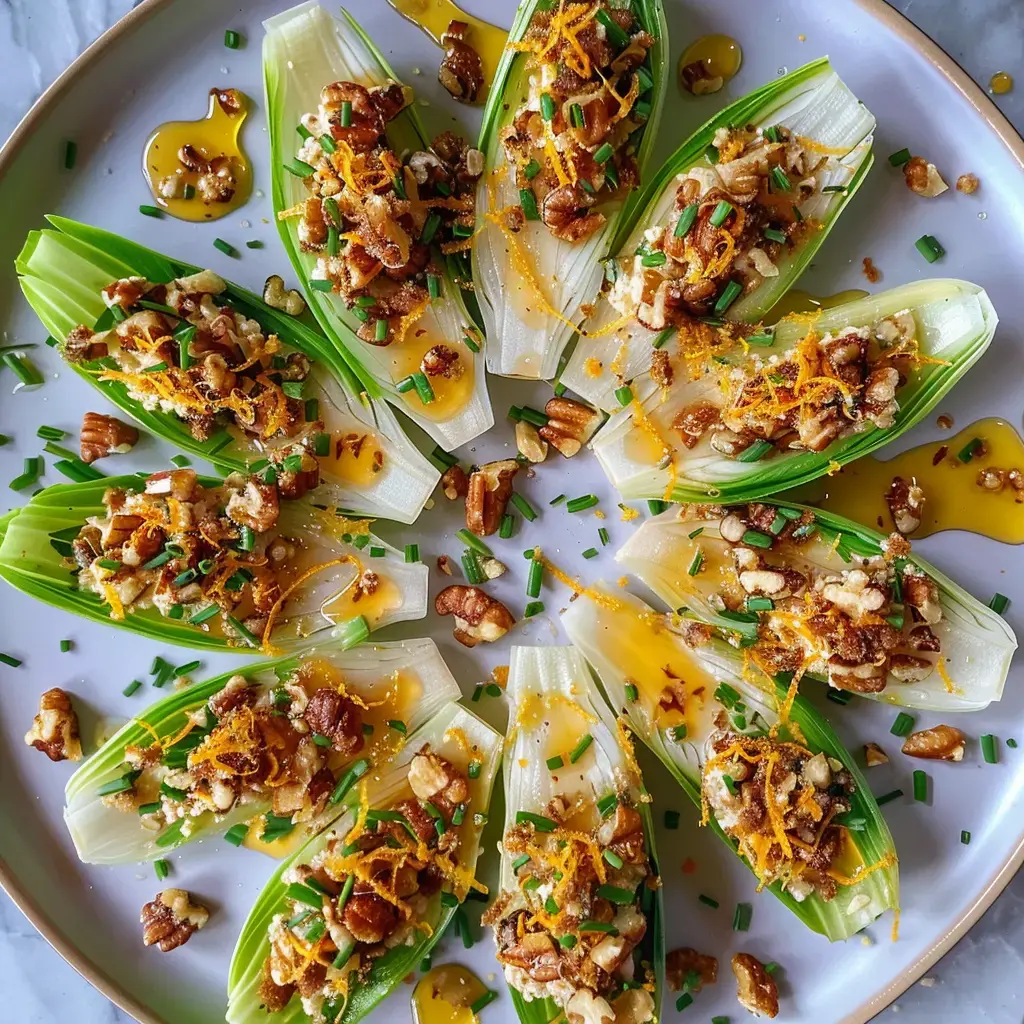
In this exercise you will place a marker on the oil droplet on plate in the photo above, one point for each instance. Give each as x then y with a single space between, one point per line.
445 995
708 63
1000 83
197 170
434 16
977 495
798 301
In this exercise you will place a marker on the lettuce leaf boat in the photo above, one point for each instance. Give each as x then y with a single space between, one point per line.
811 593
361 216
178 372
824 850
123 550
275 744
567 134
393 869
785 161
743 418
579 873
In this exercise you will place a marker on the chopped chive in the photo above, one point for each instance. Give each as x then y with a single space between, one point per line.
757 539
696 563
576 116
225 247
920 786
930 248
598 926
581 748
535 579
654 259
508 523
764 339
886 798
672 820
687 217
532 169
741 917
538 419
616 894
970 449
131 687
70 154
533 608
547 106
538 821
320 284
729 295
590 553
433 286
376 552
412 553
774 235
299 168
51 433
780 179
471 567
150 211
348 780
246 634
65 646
721 212
624 395
553 764
988 749
612 858
759 604
965 838
346 114
254 243
161 869
660 340
602 154
607 804
899 158
557 500
632 692
232 39
582 503
684 1001
419 381
24 369
471 540
902 725
524 507
998 603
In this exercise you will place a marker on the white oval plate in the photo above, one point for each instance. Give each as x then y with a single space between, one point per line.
158 65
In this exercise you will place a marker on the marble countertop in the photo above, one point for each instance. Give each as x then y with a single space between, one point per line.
978 981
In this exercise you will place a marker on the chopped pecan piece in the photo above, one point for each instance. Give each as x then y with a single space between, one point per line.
570 425
170 920
529 443
478 617
490 488
455 483
55 729
174 483
923 178
683 962
105 435
330 714
905 499
661 368
461 71
256 507
276 296
968 184
441 361
755 987
940 743
874 755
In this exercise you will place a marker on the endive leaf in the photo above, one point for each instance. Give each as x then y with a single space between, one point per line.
405 680
630 645
531 285
34 541
564 743
813 103
62 271
643 455
304 50
976 644
456 735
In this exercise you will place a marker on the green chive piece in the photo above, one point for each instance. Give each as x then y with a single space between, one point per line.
989 750
741 917
889 797
346 114
590 553
970 449
757 451
533 608
920 786
930 248
688 216
581 748
616 894
624 395
729 295
696 563
65 646
553 764
899 158
535 579
131 687
632 693
684 1001
903 724
756 539
538 821
672 820
602 154
581 504
471 540
528 201
612 858
232 39
225 247
70 155
598 926
151 211
299 168
161 868
721 212
999 603
508 523
965 838
524 507
547 106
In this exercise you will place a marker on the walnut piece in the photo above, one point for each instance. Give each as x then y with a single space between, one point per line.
529 443
490 488
461 71
455 483
940 743
923 178
570 425
478 617
755 987
287 300
905 499
55 729
874 755
681 964
444 563
170 920
103 435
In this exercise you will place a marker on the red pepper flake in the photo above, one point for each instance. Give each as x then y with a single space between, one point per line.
940 454
689 866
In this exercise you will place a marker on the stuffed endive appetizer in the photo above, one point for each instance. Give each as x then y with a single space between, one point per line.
578 919
727 226
357 908
218 372
365 205
567 134
276 744
207 563
768 772
810 593
744 417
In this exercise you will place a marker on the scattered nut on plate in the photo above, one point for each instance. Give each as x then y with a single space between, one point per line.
479 618
171 919
940 743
